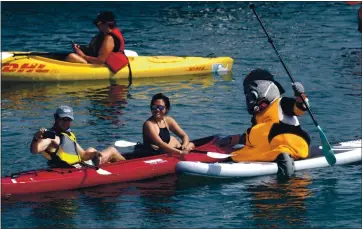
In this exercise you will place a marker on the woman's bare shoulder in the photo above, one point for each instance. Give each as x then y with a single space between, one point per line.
149 122
108 37
169 119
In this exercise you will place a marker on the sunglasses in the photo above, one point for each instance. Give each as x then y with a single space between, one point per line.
66 119
155 107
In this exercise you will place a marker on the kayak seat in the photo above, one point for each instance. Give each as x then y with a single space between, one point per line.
203 141
140 150
57 56
59 164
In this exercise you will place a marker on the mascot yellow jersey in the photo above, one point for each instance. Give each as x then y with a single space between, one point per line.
275 130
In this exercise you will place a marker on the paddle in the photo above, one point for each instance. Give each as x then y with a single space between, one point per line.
326 147
98 170
39 54
9 54
123 143
219 155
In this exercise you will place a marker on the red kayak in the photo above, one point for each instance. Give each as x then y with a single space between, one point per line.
56 179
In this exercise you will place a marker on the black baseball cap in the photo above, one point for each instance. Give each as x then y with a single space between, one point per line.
105 16
261 74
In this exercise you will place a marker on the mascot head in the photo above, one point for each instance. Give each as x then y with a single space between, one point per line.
260 90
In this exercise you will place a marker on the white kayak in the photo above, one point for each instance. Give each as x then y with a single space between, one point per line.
345 152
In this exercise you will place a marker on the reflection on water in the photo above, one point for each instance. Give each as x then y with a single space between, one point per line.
61 213
284 203
107 98
108 103
103 204
110 92
267 202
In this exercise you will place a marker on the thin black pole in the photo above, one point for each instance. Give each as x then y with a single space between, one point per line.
252 6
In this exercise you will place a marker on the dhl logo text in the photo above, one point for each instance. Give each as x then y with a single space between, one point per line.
8 67
192 69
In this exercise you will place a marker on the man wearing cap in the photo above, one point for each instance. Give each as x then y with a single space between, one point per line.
60 147
275 134
105 48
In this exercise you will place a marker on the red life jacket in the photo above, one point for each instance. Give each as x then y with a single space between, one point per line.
117 60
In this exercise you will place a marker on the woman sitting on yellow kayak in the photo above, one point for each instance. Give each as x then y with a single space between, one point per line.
105 48
275 134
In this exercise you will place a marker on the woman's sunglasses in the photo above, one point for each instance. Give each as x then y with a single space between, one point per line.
66 119
98 23
155 107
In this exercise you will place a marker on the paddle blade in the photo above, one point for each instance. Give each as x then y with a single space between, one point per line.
326 148
103 172
5 55
122 143
218 155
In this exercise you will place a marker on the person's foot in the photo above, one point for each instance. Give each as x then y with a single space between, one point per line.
285 166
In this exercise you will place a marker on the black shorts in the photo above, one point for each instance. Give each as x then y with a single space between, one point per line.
141 150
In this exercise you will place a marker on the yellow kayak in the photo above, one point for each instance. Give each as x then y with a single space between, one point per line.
28 66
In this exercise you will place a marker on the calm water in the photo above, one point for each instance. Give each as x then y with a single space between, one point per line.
318 41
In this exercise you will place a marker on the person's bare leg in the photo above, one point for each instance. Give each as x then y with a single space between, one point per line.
110 154
174 143
88 154
190 146
75 58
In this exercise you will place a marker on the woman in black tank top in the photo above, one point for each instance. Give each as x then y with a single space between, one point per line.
156 130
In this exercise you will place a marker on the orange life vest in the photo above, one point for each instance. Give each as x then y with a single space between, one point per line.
117 60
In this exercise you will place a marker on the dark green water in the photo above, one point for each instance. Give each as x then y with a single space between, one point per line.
318 41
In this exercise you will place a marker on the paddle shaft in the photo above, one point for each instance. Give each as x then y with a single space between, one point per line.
198 151
41 54
127 52
252 6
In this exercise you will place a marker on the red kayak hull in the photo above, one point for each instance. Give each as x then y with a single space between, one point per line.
57 179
